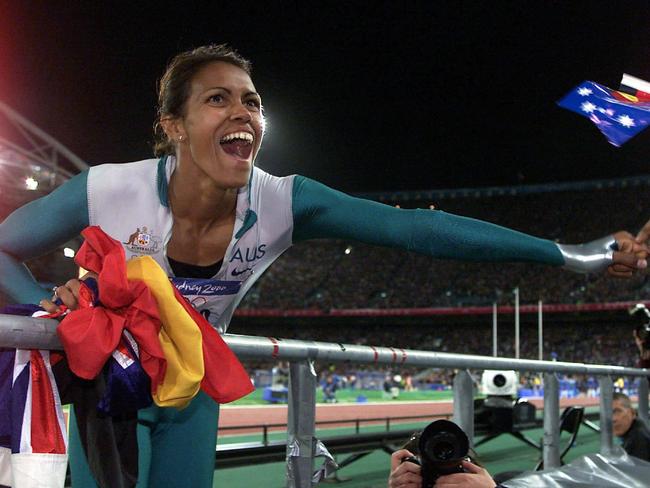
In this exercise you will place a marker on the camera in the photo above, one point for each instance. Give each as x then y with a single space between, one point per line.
442 447
499 383
642 314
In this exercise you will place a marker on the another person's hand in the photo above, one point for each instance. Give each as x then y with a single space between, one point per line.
643 236
474 477
632 254
644 354
68 294
404 474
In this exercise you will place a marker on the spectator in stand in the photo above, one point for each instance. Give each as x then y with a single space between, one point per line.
633 431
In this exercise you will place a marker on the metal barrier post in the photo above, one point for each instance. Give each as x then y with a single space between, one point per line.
464 403
606 392
551 446
301 424
643 399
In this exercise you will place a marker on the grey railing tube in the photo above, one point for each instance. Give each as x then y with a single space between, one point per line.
643 399
301 424
551 443
29 333
464 403
606 396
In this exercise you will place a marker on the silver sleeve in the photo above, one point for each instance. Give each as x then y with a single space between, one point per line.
591 257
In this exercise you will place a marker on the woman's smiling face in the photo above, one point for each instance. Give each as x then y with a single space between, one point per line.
222 126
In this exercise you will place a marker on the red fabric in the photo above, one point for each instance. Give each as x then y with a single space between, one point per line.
46 431
85 297
225 378
90 335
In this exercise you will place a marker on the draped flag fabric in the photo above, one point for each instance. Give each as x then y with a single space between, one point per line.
225 380
140 324
178 348
179 336
617 114
33 440
128 388
90 335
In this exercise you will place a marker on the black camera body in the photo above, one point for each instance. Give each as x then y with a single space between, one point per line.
640 312
442 448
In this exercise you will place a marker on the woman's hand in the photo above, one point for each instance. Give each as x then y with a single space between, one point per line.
473 477
628 244
68 294
404 474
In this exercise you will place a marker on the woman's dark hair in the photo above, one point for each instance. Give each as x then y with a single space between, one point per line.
174 86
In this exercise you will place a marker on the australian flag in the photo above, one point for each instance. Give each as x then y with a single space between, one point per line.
619 114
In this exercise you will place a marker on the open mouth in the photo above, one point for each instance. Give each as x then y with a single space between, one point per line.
238 144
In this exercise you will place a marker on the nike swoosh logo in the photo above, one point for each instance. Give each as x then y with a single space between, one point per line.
235 272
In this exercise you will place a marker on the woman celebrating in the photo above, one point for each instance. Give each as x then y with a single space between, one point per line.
214 223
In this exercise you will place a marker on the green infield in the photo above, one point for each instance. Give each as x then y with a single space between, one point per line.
505 453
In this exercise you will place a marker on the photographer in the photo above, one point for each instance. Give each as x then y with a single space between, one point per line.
441 459
405 474
633 432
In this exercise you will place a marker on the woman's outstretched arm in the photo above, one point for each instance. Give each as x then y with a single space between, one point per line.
35 229
321 212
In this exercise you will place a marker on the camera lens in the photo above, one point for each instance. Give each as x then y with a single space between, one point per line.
499 380
443 446
443 451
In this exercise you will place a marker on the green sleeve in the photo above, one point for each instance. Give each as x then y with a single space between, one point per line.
36 229
321 212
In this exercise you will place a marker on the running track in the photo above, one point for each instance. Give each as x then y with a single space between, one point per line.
277 414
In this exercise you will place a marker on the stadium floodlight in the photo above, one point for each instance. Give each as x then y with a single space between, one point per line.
31 183
348 250
32 162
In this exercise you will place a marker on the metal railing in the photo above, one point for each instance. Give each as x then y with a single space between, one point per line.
301 441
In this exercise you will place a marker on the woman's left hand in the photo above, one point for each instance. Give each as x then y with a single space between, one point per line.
68 294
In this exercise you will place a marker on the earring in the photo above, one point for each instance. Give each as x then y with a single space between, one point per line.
180 138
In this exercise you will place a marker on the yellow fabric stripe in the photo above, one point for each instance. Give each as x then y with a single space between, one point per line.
180 337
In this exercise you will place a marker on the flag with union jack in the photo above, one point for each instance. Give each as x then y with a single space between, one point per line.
618 114
33 440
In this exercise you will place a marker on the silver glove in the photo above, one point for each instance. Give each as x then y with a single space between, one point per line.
591 257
